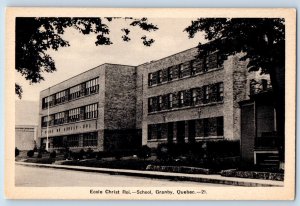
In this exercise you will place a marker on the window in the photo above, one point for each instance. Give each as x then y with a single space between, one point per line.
193 69
74 115
47 101
181 99
74 92
44 121
220 96
150 105
59 118
205 127
150 79
194 96
50 120
170 73
213 60
57 142
91 111
206 63
159 131
180 71
90 139
73 141
160 103
91 86
170 101
60 97
206 92
150 131
159 76
220 126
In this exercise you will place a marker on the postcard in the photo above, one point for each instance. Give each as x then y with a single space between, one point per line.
150 103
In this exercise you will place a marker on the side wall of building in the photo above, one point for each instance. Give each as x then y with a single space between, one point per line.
79 127
25 137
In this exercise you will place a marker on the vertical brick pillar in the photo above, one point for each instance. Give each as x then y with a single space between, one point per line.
234 91
228 98
100 143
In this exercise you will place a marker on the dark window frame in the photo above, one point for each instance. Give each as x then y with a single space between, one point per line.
150 79
170 74
180 99
159 76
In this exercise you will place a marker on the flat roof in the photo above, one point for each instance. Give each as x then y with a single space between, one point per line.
85 72
119 65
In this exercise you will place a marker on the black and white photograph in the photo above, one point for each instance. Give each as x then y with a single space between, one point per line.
150 103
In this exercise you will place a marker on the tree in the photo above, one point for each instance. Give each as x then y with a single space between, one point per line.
263 42
34 36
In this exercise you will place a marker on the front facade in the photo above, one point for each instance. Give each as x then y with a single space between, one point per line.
88 110
177 99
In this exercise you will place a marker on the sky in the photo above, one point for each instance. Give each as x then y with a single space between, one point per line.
83 54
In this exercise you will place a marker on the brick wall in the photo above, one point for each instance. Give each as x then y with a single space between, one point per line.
120 97
180 114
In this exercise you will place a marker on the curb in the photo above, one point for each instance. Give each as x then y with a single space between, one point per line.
214 179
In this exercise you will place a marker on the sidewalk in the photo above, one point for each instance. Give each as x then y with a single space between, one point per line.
215 179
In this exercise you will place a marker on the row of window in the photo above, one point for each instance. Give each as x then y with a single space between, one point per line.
206 127
72 115
185 69
77 140
191 97
85 88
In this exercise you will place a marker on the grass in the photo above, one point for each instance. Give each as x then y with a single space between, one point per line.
43 160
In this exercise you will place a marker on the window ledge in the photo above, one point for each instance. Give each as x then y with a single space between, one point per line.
185 77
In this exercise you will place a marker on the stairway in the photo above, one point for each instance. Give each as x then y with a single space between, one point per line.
267 160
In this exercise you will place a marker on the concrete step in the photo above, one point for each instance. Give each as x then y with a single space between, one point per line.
269 160
268 164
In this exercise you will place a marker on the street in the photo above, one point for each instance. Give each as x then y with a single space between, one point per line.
26 176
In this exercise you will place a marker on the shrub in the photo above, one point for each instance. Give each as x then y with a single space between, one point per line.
30 153
53 154
90 153
78 155
144 152
81 154
39 155
17 152
66 155
40 160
